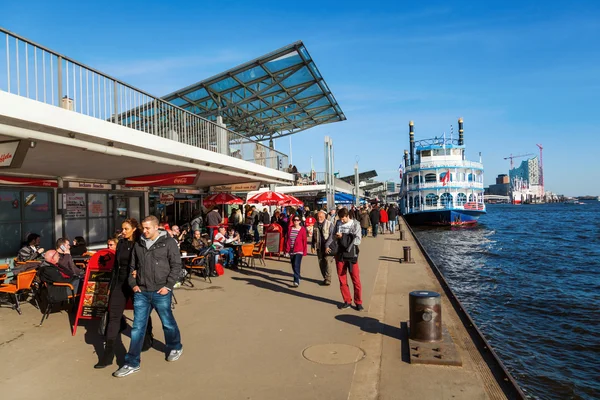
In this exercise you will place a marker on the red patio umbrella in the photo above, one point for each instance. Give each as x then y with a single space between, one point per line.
268 198
222 198
292 201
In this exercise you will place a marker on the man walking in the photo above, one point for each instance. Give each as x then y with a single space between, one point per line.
321 241
157 265
392 216
374 214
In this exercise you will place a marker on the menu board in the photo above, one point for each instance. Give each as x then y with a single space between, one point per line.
273 242
95 288
75 205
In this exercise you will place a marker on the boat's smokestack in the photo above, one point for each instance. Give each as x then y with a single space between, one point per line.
405 159
411 134
461 139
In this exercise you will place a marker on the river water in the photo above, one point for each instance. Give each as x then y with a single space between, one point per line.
530 277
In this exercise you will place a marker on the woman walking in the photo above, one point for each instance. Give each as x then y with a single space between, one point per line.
121 292
296 247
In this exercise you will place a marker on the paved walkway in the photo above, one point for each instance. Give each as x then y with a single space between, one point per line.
244 336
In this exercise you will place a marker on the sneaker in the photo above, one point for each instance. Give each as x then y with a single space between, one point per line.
174 355
326 283
296 284
125 370
359 307
344 306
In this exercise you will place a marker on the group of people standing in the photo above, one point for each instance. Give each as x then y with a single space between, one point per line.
335 239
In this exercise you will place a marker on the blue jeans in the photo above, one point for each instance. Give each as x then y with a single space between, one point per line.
143 303
374 227
296 261
392 224
228 251
364 232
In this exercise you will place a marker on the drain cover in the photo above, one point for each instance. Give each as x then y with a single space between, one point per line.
333 354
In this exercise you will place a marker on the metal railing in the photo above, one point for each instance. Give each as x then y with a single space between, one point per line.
444 164
33 71
449 185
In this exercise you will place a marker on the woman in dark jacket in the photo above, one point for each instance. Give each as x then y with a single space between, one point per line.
79 247
121 292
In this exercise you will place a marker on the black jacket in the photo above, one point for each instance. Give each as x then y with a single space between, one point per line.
157 267
374 214
119 271
392 213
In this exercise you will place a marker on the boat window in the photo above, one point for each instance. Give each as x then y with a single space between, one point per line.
426 153
461 199
410 202
430 178
446 200
410 179
471 198
417 201
431 200
443 174
470 177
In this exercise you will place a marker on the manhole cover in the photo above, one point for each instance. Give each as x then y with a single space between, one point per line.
333 354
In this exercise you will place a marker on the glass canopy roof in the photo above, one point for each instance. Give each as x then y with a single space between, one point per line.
275 95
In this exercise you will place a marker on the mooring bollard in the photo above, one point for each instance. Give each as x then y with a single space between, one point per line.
425 310
407 254
401 234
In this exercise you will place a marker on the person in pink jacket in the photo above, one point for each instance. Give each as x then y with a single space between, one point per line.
296 245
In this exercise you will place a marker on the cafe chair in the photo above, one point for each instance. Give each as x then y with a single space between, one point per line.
58 293
259 252
24 282
199 266
247 255
88 254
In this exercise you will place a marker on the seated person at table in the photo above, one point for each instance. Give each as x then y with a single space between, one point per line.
219 242
200 241
112 243
65 262
232 236
31 251
79 246
51 272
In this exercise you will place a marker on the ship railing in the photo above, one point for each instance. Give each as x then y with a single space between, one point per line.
439 207
450 185
444 164
30 70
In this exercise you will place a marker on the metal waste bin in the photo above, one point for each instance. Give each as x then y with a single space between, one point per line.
407 257
425 309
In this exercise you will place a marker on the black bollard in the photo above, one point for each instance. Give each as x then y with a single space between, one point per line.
401 234
425 310
407 254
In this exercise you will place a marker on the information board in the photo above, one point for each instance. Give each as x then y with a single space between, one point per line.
93 301
273 240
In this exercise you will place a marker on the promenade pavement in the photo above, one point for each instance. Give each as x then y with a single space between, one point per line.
245 337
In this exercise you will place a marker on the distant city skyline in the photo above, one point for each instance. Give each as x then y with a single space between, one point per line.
518 72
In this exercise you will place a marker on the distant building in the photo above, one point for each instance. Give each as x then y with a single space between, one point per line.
525 181
501 188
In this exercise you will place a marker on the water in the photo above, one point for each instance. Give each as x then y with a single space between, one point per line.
530 277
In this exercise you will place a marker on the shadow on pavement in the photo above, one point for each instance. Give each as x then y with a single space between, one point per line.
372 325
392 259
283 273
280 289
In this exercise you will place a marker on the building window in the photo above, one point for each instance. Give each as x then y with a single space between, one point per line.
446 200
25 211
431 199
461 199
86 215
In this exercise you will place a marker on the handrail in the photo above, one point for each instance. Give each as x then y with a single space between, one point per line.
444 164
36 72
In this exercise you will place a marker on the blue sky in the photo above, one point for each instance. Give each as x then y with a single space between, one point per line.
518 72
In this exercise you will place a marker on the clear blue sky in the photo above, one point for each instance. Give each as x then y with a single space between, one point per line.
518 72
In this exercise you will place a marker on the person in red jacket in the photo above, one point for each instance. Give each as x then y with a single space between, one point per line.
383 219
296 245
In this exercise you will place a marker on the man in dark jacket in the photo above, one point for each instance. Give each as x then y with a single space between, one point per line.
213 220
392 215
157 265
374 214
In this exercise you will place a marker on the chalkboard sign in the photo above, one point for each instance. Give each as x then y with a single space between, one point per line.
273 242
95 289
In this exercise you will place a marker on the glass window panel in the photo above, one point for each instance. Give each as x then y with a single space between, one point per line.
75 227
98 230
314 69
284 62
275 88
311 91
304 53
319 103
178 101
97 206
251 74
197 94
224 84
10 239
301 76
43 228
37 205
75 206
135 208
10 205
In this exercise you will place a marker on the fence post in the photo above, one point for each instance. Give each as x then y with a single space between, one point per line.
115 101
60 88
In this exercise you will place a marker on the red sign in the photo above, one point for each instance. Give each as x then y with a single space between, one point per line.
95 289
177 178
13 180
